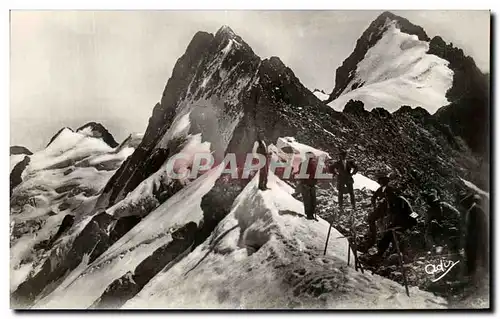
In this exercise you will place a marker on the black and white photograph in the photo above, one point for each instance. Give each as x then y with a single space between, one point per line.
250 159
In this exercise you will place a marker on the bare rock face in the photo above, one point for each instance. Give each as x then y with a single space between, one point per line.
17 150
354 107
468 113
15 175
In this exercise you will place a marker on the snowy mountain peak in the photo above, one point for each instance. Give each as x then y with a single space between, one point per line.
229 40
95 129
391 67
368 39
225 30
91 129
382 22
395 64
133 140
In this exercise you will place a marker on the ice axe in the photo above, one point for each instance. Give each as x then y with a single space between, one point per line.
401 261
328 236
330 228
357 263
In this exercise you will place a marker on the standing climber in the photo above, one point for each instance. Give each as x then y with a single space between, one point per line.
442 222
476 236
308 185
380 209
345 170
263 172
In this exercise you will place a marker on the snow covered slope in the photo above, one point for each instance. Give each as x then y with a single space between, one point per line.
87 283
299 148
320 94
475 188
149 193
63 179
363 182
397 71
265 254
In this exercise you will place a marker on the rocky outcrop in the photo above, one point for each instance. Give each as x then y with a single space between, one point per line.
92 129
17 150
354 107
277 105
468 114
16 174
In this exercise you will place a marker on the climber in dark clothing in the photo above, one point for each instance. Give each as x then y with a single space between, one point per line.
476 236
263 172
395 210
345 170
442 222
308 186
400 218
383 193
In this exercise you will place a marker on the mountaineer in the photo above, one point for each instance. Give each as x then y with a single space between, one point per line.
476 236
395 210
264 170
442 222
345 170
308 186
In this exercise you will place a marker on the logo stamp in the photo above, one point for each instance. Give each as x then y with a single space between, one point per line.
443 267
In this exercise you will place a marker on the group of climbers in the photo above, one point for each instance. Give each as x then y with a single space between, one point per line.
467 230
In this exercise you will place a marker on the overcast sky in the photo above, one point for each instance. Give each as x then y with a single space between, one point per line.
70 67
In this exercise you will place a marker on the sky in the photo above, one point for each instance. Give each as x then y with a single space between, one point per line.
68 68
